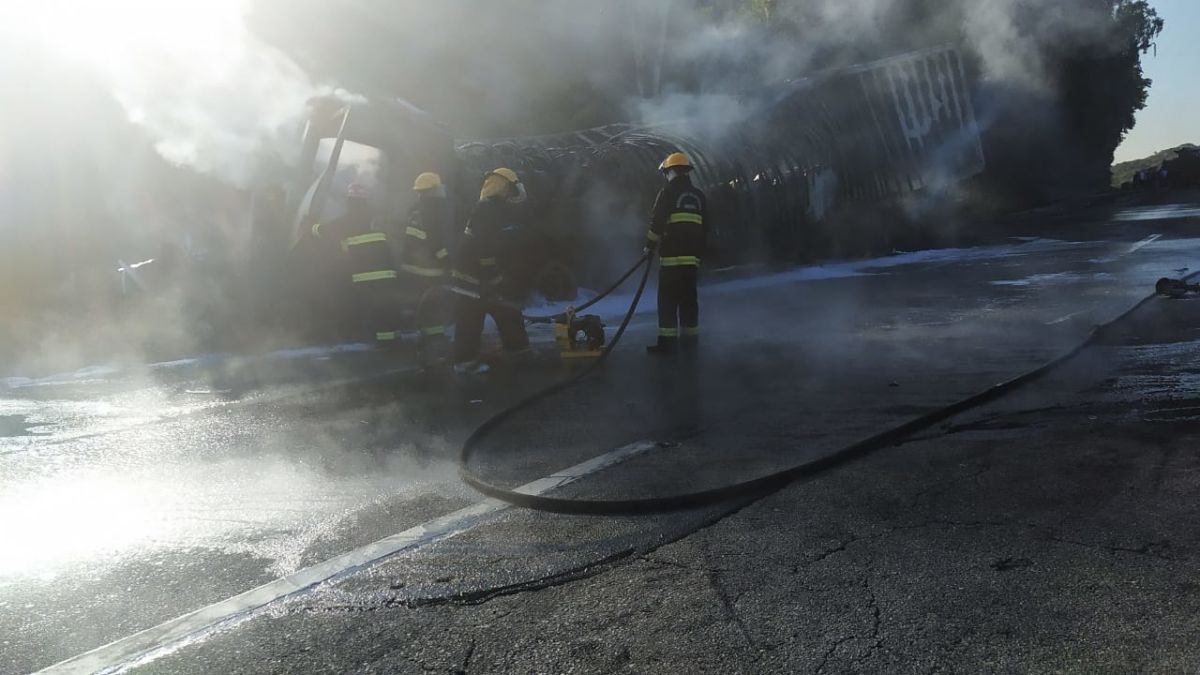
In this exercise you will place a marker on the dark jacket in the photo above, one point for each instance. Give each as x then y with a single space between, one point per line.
677 224
368 249
426 249
480 263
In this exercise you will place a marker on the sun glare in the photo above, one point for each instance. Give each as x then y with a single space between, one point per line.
127 38
46 524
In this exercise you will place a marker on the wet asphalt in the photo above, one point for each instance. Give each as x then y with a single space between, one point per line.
131 497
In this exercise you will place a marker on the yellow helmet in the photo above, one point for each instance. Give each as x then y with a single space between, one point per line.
427 181
508 174
676 160
499 183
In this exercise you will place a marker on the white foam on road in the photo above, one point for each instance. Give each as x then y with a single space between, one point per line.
1170 212
1053 279
105 373
616 305
89 419
165 638
612 306
86 375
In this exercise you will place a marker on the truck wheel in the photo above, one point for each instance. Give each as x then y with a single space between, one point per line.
556 282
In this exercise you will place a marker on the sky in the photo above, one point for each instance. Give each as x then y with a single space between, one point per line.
1172 114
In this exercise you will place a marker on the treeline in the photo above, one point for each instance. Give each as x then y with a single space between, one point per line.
1124 172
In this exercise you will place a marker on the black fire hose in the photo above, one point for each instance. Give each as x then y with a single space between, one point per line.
756 487
552 318
604 294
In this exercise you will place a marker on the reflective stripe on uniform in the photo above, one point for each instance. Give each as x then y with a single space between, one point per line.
682 217
464 277
668 332
433 330
498 280
316 229
386 335
487 262
652 235
415 232
443 253
691 331
373 276
363 239
681 261
423 271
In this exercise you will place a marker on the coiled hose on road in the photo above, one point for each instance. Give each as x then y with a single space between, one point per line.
757 487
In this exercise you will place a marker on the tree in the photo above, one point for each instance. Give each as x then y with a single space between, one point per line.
1103 83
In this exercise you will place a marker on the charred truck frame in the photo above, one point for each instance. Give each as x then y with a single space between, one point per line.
872 134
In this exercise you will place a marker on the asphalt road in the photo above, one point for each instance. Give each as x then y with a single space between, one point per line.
132 496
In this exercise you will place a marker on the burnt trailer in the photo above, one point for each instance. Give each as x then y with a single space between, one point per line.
776 177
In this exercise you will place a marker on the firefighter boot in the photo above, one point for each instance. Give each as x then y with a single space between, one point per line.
666 346
434 351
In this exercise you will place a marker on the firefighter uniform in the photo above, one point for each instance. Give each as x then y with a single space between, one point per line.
371 265
678 232
425 260
479 271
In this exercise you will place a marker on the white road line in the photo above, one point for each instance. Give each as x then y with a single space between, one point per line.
1145 242
164 638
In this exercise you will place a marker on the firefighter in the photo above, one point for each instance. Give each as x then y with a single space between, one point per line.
678 233
479 274
425 259
371 265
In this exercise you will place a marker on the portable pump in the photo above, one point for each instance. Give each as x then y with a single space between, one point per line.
579 337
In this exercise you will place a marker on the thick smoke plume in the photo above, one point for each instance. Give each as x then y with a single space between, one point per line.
218 95
218 88
209 94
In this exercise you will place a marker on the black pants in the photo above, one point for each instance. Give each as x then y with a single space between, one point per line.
434 306
469 315
380 309
678 305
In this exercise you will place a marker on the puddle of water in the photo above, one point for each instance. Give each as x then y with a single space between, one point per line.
12 426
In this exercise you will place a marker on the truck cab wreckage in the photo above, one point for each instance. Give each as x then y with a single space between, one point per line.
865 137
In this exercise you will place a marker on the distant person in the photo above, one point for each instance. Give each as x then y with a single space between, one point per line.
678 233
425 261
371 265
479 272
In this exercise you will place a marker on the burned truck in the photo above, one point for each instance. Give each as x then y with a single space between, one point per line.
869 135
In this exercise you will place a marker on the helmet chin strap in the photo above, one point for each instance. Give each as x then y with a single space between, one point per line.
520 196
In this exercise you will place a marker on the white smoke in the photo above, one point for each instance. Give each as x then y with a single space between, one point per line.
215 96
209 93
705 115
1009 37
